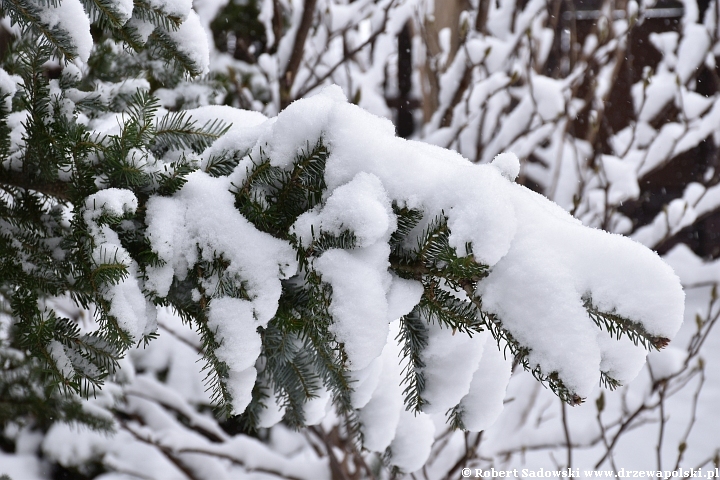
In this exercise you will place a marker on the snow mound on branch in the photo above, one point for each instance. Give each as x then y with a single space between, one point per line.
508 164
192 41
200 223
545 265
450 361
554 264
70 19
359 308
134 313
484 401
545 268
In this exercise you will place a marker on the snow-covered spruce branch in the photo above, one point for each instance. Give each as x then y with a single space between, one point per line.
297 244
318 200
293 267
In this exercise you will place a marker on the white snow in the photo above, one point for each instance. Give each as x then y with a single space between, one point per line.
8 86
692 51
413 440
548 96
124 9
70 17
359 306
236 330
361 206
202 216
451 359
273 413
484 401
177 8
191 40
621 178
57 353
522 284
380 416
132 311
508 164
73 445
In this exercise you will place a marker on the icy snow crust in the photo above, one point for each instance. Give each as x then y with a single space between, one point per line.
544 265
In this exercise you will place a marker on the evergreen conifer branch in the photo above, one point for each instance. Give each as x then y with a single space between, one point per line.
177 130
407 220
608 382
21 400
5 144
617 326
173 177
440 306
194 312
29 17
519 353
272 198
58 164
289 368
325 241
455 418
163 46
223 164
154 14
105 13
330 358
130 35
413 338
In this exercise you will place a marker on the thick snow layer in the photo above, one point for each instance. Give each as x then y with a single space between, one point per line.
26 466
413 440
235 328
402 296
317 407
545 264
124 8
617 274
548 96
692 51
508 164
484 401
361 206
359 306
273 412
200 223
450 361
380 416
177 8
128 305
365 382
192 41
73 445
621 179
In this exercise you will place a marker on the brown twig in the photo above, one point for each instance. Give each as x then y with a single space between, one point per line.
288 77
349 54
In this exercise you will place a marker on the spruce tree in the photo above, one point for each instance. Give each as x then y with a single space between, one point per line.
286 244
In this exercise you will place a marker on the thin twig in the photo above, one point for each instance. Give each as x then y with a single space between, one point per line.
304 91
568 443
